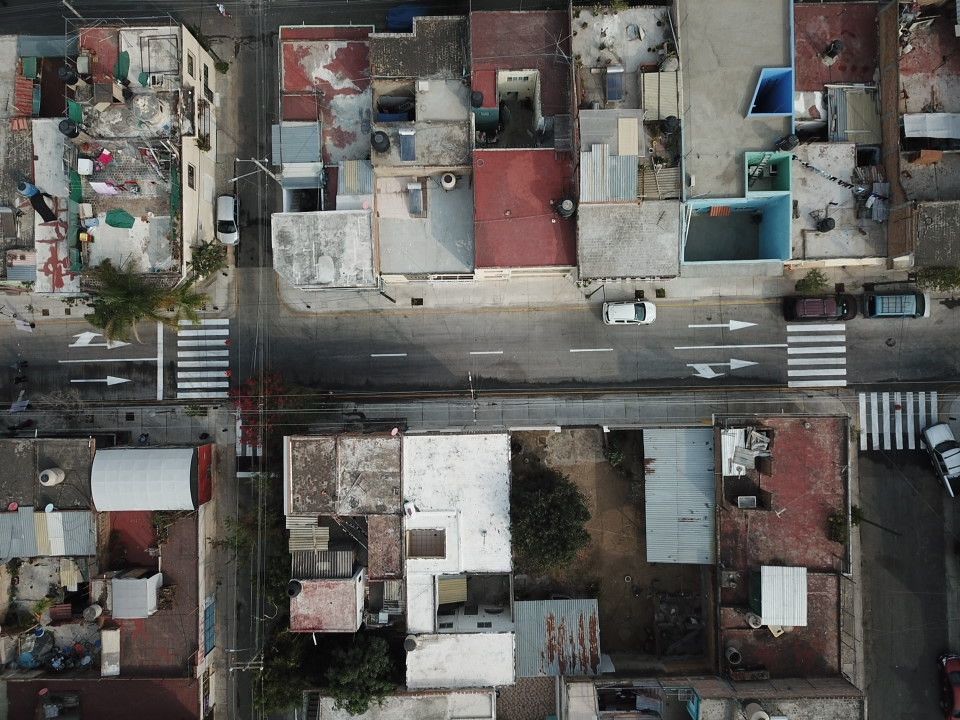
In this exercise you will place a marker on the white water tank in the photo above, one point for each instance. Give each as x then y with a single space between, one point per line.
753 711
448 181
92 612
51 477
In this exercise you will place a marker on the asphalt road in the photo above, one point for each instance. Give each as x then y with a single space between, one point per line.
904 584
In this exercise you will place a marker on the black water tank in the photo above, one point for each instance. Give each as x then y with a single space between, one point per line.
670 124
826 224
69 128
566 208
380 141
68 75
294 587
788 143
476 99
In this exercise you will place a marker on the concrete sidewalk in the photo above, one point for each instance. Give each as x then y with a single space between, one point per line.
565 291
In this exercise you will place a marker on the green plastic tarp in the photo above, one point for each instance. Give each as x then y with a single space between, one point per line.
75 111
119 218
123 66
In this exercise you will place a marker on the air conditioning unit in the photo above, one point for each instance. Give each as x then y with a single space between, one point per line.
747 502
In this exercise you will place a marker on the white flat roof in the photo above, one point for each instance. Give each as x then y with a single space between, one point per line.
465 481
474 704
461 660
421 603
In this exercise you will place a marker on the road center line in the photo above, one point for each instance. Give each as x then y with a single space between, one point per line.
387 355
724 347
486 352
579 350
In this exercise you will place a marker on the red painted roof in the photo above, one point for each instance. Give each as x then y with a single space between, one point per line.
112 698
818 25
325 32
103 46
328 605
515 221
131 534
525 41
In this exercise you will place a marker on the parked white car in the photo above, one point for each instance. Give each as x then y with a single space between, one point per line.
945 453
629 313
227 231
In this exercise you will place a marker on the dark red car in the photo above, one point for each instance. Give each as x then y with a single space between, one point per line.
950 701
820 307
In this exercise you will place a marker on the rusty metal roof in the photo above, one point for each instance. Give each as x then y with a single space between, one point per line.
557 638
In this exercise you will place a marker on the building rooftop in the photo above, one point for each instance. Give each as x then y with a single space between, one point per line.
609 39
515 193
110 698
557 638
817 26
431 144
328 249
462 482
801 708
479 704
721 79
31 532
328 605
938 242
165 644
930 71
342 475
928 180
384 546
437 240
437 47
629 239
325 75
537 40
799 487
813 193
23 459
461 660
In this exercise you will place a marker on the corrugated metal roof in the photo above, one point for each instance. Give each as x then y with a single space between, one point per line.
135 597
316 564
607 178
355 177
311 538
295 143
783 595
18 536
661 96
557 638
22 273
26 533
680 495
144 479
49 46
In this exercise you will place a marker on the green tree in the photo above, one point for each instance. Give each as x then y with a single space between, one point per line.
123 298
943 279
813 282
547 517
207 258
360 674
283 679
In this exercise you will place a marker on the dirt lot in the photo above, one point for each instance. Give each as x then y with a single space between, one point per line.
613 566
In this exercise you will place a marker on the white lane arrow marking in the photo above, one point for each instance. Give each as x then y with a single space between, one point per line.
730 325
109 380
85 339
706 371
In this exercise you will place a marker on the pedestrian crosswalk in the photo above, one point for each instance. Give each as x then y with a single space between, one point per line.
203 359
894 420
816 355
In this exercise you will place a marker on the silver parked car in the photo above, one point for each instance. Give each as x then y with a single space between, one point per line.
629 313
945 453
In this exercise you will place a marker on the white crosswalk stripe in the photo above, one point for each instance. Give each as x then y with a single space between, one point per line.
203 370
894 420
816 355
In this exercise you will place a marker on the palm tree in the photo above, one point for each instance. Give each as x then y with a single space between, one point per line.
123 298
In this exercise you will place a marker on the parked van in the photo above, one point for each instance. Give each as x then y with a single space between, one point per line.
896 305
